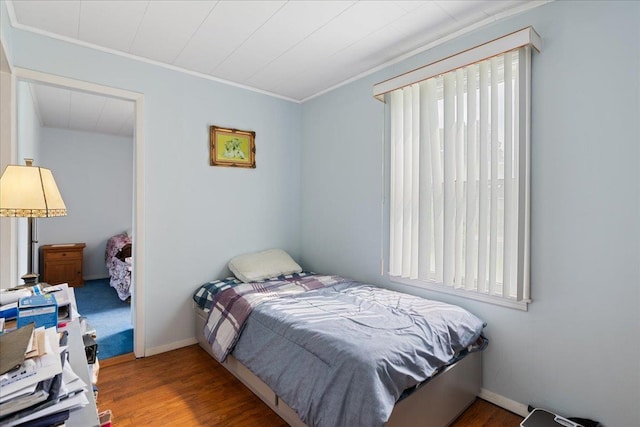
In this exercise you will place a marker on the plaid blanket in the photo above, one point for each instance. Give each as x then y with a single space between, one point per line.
232 307
204 295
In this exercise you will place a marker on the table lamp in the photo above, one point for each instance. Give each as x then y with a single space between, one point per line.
30 192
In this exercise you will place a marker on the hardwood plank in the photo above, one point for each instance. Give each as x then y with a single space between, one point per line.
485 414
183 387
186 387
117 359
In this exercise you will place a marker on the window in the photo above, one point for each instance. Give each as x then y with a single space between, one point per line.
459 209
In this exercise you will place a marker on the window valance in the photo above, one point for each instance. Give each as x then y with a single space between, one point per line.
525 37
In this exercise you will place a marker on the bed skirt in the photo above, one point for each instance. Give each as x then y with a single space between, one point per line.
437 403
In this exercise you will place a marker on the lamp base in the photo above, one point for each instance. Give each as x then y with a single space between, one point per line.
30 278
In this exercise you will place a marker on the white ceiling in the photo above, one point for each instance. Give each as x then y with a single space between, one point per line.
293 49
70 109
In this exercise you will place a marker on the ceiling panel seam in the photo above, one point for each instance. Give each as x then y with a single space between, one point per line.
78 23
248 38
369 34
95 125
69 112
299 42
135 35
36 104
175 58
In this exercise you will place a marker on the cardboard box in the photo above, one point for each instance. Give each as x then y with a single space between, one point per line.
39 309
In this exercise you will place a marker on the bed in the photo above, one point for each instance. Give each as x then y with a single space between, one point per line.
328 351
118 262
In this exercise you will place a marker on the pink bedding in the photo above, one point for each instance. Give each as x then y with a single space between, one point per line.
119 268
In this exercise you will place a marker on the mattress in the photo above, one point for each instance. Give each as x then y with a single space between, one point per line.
331 341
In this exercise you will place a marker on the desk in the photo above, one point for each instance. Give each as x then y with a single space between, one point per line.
87 416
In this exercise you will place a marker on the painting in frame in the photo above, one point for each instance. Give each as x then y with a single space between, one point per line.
232 147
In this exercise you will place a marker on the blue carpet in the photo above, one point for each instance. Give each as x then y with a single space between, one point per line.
99 303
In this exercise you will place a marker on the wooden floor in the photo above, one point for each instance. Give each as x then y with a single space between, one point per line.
186 387
485 414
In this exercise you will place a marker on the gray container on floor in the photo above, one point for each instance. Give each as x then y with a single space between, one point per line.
542 418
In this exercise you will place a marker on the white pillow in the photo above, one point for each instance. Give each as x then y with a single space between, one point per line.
263 265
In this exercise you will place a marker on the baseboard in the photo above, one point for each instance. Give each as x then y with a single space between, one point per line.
503 402
168 347
95 277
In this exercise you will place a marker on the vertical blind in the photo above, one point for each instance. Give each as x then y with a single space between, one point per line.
459 177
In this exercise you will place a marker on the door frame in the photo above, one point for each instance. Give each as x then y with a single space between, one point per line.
138 271
8 251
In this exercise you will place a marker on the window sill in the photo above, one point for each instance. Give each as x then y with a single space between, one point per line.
436 287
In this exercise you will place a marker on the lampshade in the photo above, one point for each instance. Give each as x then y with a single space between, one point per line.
30 191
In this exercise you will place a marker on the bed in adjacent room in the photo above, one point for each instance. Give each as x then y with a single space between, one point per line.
329 351
118 260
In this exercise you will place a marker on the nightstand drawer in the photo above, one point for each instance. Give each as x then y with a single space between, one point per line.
62 255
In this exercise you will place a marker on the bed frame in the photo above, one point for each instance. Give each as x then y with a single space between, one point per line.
437 403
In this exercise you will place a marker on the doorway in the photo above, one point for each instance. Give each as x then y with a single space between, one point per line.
109 101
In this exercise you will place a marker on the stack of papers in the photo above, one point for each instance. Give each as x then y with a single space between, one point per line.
36 379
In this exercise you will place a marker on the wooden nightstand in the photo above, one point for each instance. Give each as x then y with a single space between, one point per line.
62 264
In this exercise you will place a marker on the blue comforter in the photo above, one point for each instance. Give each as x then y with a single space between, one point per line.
343 355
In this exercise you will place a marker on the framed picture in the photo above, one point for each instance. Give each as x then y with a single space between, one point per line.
232 147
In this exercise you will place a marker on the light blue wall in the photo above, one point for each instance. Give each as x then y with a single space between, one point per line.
8 264
28 135
29 129
576 350
96 183
197 217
